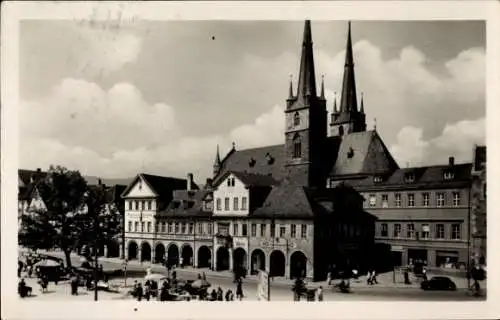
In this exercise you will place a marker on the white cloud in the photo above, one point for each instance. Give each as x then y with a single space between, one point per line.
456 140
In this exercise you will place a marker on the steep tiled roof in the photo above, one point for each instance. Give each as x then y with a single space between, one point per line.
363 153
186 203
249 179
424 177
286 200
163 186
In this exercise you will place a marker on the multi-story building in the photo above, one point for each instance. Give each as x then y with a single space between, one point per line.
478 206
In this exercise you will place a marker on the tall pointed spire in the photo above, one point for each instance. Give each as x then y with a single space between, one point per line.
290 94
217 156
348 102
362 106
335 103
307 81
322 95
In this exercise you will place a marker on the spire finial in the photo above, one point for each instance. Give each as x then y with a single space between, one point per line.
374 124
217 155
348 100
335 102
290 93
362 107
322 86
234 145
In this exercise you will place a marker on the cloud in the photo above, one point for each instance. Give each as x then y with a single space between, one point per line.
456 140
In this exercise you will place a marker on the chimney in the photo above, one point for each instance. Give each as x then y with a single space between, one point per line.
189 181
99 181
451 161
38 170
208 184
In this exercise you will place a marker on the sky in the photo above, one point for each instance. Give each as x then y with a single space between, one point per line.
114 100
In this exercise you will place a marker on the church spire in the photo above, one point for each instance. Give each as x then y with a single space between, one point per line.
290 94
335 103
217 163
348 102
322 95
307 81
362 106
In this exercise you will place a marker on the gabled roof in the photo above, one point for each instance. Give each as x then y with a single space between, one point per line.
363 153
248 179
161 186
288 201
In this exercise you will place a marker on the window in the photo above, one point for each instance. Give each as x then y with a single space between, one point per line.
397 230
210 228
244 203
129 226
303 231
297 147
385 201
235 203
425 199
143 205
296 119
136 226
163 227
282 231
262 229
200 228
384 230
410 230
157 227
426 230
170 227
455 231
373 200
176 227
191 228
440 199
244 230
448 176
136 203
398 200
410 177
235 229
149 204
183 227
456 199
218 204
129 205
142 227
254 230
440 231
230 182
273 230
226 204
293 231
377 179
149 226
411 199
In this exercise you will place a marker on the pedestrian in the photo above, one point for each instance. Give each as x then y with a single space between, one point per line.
239 289
329 278
147 290
220 294
369 278
164 292
199 276
213 295
319 293
228 293
139 292
203 275
74 285
407 277
148 271
424 273
181 262
30 270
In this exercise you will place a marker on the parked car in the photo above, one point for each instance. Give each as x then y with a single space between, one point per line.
438 283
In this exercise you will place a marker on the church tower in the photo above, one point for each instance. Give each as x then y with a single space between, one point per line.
305 122
348 119
217 163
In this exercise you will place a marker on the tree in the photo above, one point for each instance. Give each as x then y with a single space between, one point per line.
59 223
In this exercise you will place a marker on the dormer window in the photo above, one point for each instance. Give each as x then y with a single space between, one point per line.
252 162
448 175
350 153
230 182
296 119
410 177
377 179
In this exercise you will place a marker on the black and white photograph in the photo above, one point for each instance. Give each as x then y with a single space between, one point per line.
222 160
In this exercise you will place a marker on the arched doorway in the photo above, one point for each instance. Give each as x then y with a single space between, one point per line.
222 259
240 261
160 253
204 257
187 255
173 255
258 261
298 265
113 249
145 252
277 262
132 250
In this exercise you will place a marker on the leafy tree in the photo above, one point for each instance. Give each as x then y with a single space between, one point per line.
59 223
75 214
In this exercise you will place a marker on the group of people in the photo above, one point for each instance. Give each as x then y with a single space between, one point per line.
300 290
